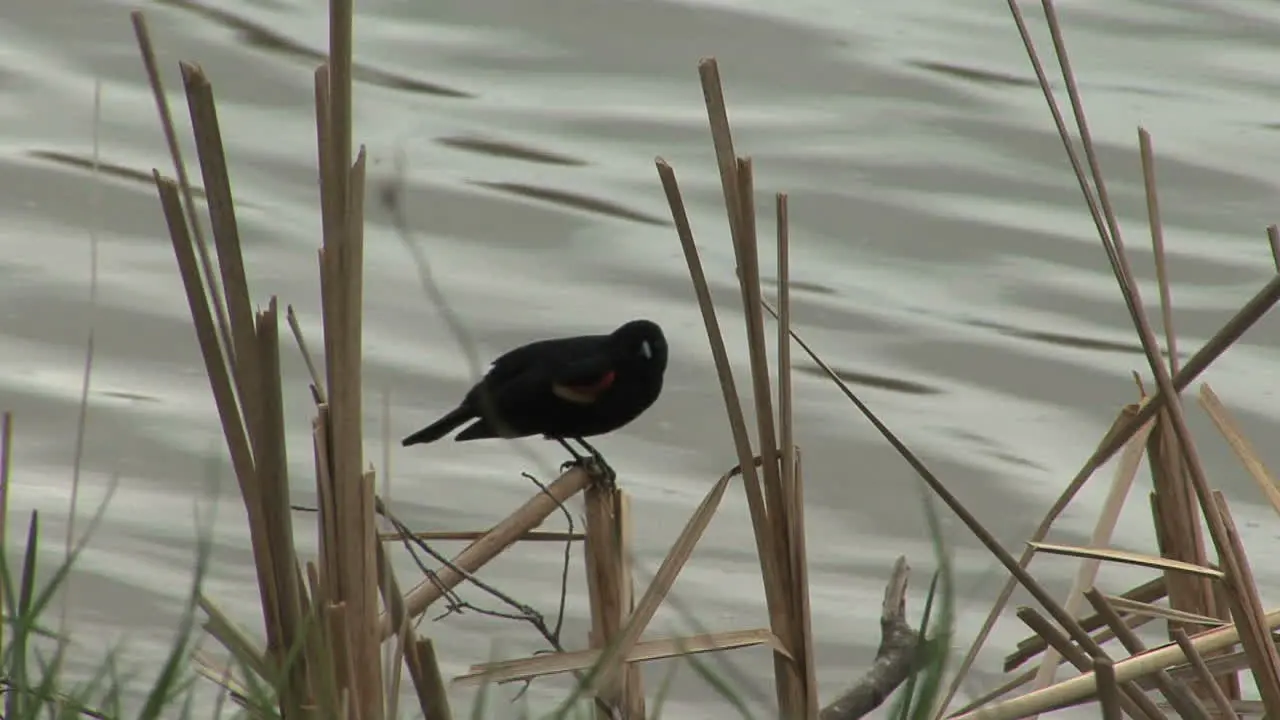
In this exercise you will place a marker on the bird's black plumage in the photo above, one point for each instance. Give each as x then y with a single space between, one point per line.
564 388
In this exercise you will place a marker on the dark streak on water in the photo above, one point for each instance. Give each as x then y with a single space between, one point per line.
503 148
986 77
909 387
108 169
802 286
573 200
1062 339
258 36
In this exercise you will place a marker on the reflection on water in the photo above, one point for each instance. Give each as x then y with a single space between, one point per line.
942 255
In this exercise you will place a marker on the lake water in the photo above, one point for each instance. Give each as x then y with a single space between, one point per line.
941 250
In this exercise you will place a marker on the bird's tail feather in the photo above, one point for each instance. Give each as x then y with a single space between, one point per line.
439 428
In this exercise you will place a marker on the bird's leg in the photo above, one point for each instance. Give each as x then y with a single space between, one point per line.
606 470
577 461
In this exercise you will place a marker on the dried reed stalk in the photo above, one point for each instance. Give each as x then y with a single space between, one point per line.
633 703
1205 677
1240 445
425 672
1179 535
953 503
625 646
1130 558
1158 611
1135 702
1070 691
1108 231
1036 645
446 535
1102 637
604 584
792 477
1148 592
1241 591
1126 471
210 276
1157 245
556 663
767 504
1273 240
773 499
252 467
1108 690
1183 700
247 392
351 520
660 586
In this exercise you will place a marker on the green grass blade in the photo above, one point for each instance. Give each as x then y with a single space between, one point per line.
664 690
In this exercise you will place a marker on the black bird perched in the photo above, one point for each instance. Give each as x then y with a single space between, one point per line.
565 388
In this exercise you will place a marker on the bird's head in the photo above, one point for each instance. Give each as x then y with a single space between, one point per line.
640 344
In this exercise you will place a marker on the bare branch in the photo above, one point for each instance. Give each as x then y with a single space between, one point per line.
895 659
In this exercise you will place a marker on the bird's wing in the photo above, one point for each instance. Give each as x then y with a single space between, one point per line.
546 355
518 360
584 380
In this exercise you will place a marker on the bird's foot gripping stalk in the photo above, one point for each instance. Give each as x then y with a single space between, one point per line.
594 465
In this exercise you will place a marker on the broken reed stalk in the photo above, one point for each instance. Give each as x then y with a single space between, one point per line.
424 669
765 548
1104 220
606 579
633 703
792 475
243 422
344 585
147 50
770 499
351 517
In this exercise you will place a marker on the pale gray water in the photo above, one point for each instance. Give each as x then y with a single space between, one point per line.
935 226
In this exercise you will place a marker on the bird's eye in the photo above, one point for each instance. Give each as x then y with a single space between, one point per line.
645 350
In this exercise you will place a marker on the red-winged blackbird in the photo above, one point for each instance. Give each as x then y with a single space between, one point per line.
566 388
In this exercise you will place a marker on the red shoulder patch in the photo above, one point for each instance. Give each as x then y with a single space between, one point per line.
598 386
